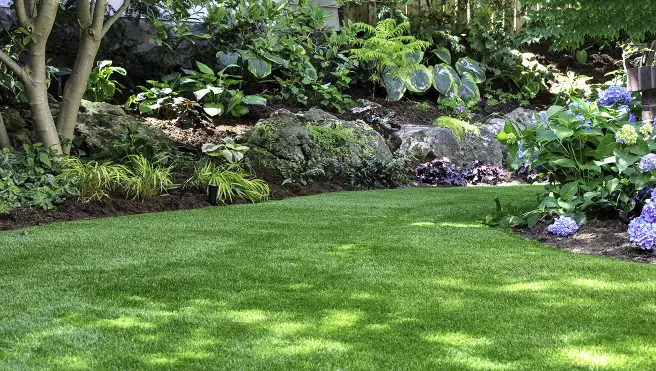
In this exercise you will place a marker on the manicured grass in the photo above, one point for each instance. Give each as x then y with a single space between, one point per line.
399 279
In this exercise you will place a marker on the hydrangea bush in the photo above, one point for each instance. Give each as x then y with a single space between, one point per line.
642 230
595 157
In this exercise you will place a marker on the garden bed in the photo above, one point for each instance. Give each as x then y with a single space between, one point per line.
599 237
176 200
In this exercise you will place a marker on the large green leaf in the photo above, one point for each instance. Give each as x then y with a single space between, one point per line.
468 65
415 57
276 59
445 79
259 67
420 80
468 88
444 54
254 100
213 109
395 87
205 69
227 59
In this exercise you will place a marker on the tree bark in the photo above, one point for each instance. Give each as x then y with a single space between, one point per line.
75 88
4 138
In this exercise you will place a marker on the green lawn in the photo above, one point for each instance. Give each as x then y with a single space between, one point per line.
398 279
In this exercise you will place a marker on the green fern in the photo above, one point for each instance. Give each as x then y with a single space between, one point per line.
386 49
458 127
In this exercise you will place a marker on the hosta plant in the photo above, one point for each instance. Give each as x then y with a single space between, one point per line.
101 87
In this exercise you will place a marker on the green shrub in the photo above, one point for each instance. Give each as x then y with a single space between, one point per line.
232 182
29 178
335 139
590 153
94 179
101 87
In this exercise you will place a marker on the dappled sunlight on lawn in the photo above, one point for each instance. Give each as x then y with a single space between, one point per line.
410 290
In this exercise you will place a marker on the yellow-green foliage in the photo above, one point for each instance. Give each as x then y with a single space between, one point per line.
386 48
93 179
458 127
334 139
145 179
232 181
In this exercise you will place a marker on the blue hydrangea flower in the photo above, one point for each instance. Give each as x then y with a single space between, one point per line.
563 226
575 108
613 95
624 108
642 233
627 135
541 117
632 117
648 163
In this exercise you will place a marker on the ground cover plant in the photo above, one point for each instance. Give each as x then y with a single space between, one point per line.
393 279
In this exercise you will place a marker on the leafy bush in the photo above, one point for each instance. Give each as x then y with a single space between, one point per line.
94 179
373 172
30 179
591 153
232 182
228 150
145 179
443 172
101 87
139 142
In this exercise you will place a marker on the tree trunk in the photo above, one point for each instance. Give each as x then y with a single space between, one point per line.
4 138
37 93
75 87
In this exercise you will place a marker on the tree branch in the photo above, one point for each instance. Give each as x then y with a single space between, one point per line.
15 68
83 13
115 16
21 13
98 16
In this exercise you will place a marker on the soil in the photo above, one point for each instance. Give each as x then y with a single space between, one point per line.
599 237
175 200
599 63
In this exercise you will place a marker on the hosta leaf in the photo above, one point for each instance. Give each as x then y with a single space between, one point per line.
415 57
395 87
239 110
444 54
254 100
227 59
276 59
445 79
468 88
213 109
199 94
420 80
259 67
468 65
204 68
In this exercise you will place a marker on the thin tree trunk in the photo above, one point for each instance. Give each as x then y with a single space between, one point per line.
4 138
75 87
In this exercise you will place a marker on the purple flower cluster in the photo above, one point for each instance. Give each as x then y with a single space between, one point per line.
613 95
648 163
563 226
642 233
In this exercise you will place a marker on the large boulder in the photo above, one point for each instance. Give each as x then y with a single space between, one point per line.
315 137
425 143
100 125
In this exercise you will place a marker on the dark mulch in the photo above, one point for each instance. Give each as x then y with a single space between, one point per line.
600 61
599 237
175 200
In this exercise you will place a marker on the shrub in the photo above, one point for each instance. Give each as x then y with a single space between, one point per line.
232 181
30 179
591 153
93 179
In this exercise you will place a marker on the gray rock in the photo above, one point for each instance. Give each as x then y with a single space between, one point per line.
296 138
425 143
101 124
521 116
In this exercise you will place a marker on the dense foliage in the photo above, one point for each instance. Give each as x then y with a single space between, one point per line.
443 172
